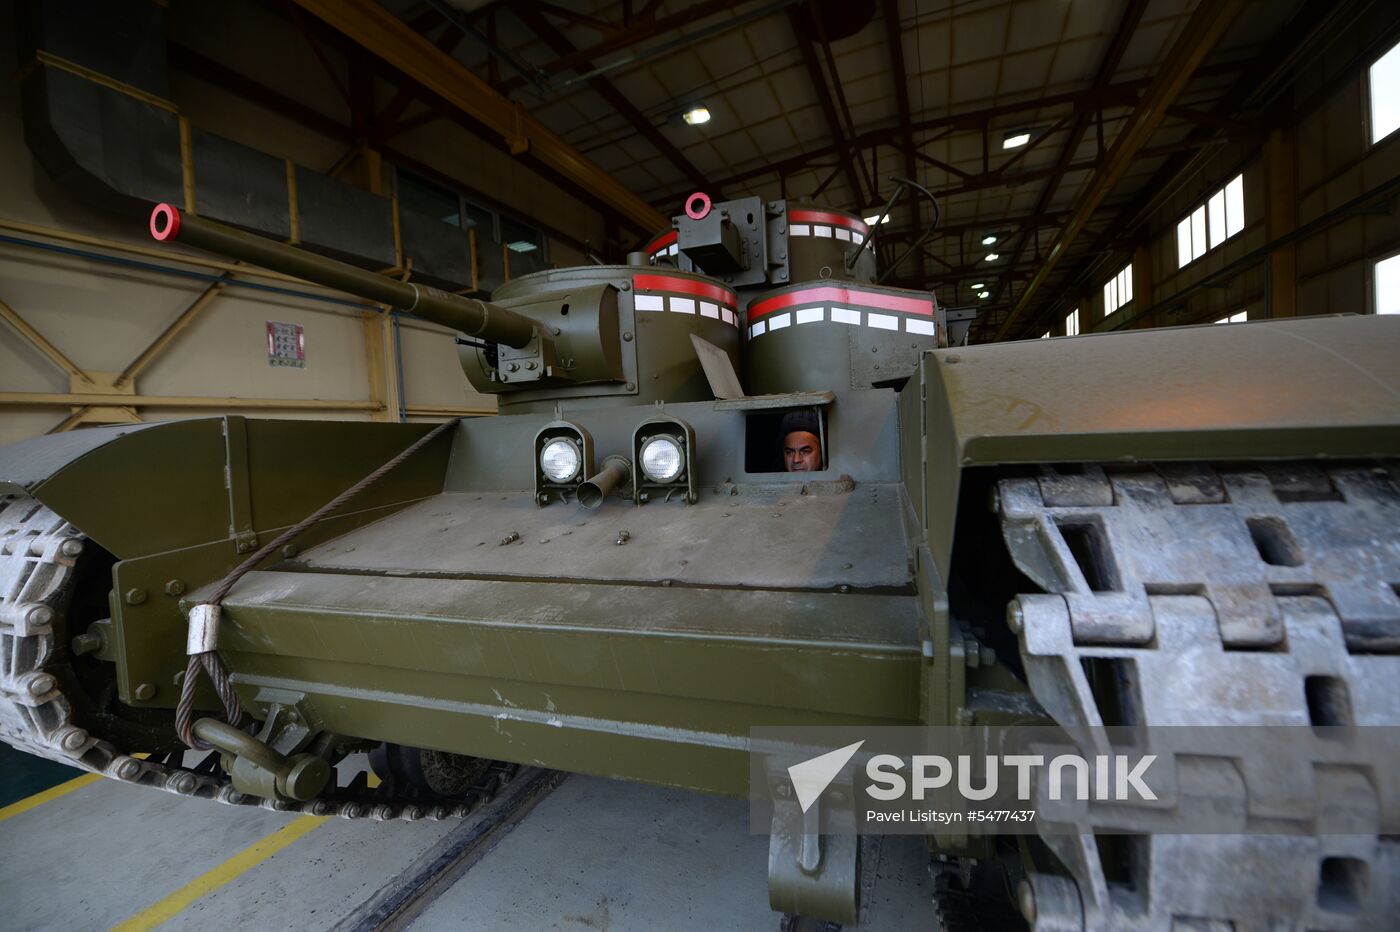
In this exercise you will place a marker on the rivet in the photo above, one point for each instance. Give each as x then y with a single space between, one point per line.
627 336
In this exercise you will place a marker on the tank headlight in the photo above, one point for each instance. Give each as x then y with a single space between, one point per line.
662 459
560 460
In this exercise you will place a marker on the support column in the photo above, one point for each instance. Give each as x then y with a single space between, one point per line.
1144 284
1281 218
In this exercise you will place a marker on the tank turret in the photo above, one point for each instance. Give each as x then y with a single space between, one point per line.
604 334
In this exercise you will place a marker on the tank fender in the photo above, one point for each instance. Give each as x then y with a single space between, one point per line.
1321 387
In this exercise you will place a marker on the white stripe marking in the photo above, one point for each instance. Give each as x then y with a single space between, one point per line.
844 315
649 302
709 309
683 305
918 326
757 329
822 231
801 229
882 321
779 321
809 314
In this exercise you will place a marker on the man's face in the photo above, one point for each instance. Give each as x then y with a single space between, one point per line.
802 452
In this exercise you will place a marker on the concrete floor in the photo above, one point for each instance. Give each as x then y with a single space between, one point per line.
593 854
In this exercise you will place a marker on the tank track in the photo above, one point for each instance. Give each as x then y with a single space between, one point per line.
1252 583
39 552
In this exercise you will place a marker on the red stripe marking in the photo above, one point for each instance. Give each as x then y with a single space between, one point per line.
845 296
686 286
821 216
662 241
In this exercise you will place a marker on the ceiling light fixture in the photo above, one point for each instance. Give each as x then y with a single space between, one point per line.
989 239
992 256
696 115
984 294
979 286
1014 139
870 221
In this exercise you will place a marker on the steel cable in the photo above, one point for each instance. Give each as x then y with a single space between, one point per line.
209 660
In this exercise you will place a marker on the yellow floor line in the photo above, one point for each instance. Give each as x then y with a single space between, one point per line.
213 879
53 792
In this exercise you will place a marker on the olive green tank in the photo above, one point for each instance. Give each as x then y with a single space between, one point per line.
620 576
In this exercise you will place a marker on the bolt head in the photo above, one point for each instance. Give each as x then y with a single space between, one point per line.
1025 899
71 547
145 692
175 587
127 769
138 595
73 739
289 551
182 783
41 683
1015 616
39 616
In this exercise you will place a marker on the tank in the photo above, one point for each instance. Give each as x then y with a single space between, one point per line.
619 575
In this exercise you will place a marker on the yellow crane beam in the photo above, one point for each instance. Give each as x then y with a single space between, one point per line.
394 41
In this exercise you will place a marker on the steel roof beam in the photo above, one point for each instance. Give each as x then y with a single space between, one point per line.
1299 32
1124 93
645 26
1202 31
560 45
894 41
833 123
1111 59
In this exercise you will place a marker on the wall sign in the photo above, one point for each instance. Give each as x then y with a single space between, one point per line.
286 345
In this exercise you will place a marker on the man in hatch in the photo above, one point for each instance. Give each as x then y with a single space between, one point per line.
802 445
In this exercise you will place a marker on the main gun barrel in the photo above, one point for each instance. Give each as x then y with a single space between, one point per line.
480 319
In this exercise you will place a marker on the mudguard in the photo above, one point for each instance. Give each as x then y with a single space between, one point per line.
1325 388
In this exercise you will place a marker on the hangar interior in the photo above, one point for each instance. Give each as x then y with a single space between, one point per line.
1091 168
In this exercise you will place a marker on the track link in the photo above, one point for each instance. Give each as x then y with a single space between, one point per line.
39 553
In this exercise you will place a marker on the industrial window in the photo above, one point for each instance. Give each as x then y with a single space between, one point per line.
520 238
1118 291
1236 318
1388 285
1215 221
1045 335
423 197
1384 91
1072 323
